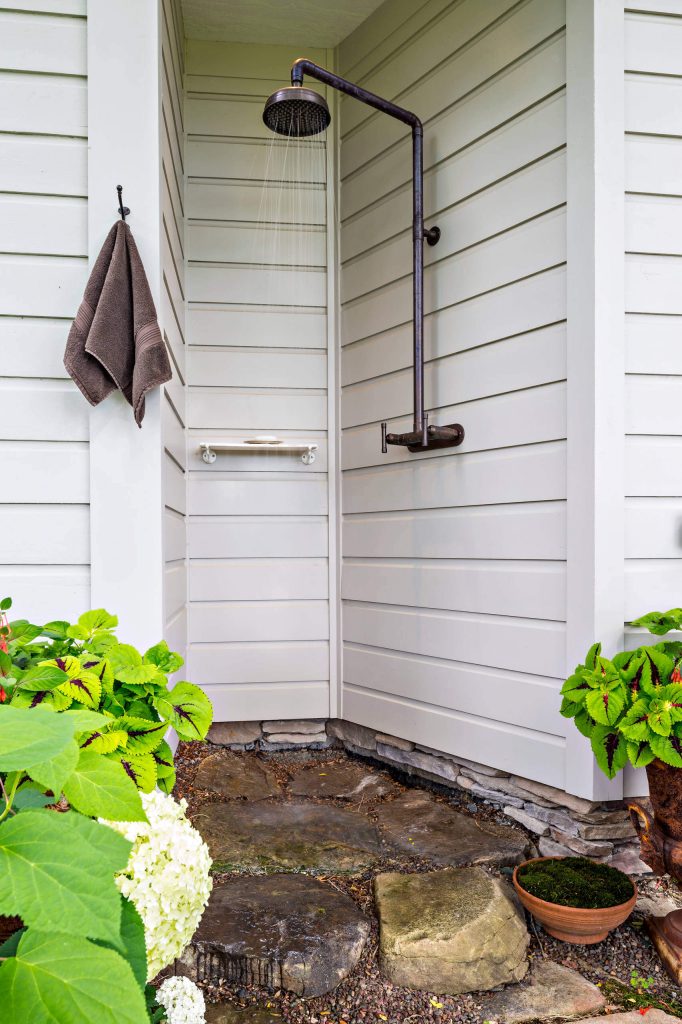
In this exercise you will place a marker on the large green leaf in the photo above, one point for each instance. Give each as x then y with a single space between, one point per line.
100 788
29 737
59 979
609 749
57 872
188 709
132 934
659 717
53 700
53 774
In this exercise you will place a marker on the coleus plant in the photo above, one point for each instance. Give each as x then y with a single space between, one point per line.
82 666
630 706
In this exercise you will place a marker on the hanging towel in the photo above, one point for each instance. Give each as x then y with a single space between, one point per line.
115 341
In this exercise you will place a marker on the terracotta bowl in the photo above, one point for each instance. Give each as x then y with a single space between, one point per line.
573 924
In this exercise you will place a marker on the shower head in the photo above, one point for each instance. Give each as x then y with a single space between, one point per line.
297 112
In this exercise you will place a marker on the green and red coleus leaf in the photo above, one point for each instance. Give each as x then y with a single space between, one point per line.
668 748
141 768
610 749
143 736
640 754
575 689
660 622
635 723
606 701
188 710
657 669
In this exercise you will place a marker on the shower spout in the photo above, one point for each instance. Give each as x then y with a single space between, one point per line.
299 112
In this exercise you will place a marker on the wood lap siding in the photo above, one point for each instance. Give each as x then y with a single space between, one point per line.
257 364
44 514
172 318
653 306
454 576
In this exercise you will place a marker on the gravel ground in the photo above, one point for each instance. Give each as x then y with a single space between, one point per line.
365 996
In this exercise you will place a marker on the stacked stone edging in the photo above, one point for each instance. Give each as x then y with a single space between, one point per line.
561 823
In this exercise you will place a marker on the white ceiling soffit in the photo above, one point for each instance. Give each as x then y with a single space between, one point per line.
294 22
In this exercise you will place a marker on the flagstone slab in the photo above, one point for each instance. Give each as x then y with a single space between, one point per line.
429 828
220 1014
278 931
346 781
552 992
453 930
236 777
277 836
634 1017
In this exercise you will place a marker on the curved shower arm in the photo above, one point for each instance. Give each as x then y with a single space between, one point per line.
304 66
423 435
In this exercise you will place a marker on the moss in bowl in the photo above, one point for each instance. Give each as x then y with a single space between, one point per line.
575 899
576 882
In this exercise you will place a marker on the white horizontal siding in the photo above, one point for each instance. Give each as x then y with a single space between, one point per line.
454 577
257 364
44 514
653 263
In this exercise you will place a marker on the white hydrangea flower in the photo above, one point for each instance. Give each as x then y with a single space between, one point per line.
167 877
183 1001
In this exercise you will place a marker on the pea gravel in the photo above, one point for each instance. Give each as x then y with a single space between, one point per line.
365 997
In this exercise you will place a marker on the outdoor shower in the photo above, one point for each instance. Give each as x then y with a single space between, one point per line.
299 112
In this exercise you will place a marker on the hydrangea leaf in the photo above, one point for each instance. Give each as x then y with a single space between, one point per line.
188 709
60 868
610 750
100 788
61 978
31 737
132 935
52 774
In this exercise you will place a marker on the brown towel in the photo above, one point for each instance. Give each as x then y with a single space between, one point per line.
115 341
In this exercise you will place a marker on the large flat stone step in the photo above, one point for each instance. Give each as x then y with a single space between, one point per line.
277 931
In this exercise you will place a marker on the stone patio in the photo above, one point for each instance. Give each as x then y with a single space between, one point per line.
295 842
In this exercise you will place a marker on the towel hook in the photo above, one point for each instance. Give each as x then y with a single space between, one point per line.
123 210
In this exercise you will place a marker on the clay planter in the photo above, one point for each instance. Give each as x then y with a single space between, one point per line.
574 924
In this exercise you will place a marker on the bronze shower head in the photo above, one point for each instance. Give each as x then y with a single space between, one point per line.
297 112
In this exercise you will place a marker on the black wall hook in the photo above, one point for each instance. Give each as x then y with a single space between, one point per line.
123 210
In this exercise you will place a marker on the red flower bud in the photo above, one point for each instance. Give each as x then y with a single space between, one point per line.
3 695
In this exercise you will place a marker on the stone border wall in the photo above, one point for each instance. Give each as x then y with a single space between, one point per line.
561 824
